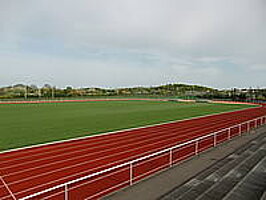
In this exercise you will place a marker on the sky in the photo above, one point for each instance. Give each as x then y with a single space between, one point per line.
121 43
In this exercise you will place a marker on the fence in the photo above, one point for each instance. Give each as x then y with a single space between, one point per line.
124 174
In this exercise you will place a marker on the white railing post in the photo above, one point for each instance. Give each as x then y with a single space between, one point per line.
131 173
66 192
130 164
171 157
197 147
240 129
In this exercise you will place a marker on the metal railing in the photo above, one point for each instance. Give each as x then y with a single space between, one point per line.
197 145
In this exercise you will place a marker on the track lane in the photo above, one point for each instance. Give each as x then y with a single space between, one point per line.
143 135
98 147
196 122
103 138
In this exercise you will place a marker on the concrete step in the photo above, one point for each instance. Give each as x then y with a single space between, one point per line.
210 176
252 186
221 177
220 189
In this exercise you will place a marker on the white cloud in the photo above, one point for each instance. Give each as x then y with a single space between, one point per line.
187 40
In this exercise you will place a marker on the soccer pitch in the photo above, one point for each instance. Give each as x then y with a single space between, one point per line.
27 124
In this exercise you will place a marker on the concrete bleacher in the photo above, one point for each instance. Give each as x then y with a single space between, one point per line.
235 170
241 175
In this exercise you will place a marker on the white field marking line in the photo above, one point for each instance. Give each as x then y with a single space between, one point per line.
132 137
86 162
120 165
97 147
116 162
144 135
177 128
132 156
37 160
79 151
89 170
82 142
110 164
99 167
147 126
187 158
76 157
123 130
8 189
178 161
7 197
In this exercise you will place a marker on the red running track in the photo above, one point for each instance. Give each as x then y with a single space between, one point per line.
27 171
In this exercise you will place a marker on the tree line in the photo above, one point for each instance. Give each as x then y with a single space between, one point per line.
168 90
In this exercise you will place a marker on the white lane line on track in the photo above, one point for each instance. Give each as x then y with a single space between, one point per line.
101 158
70 176
129 151
149 137
123 130
70 159
92 154
222 129
90 143
8 189
104 144
112 163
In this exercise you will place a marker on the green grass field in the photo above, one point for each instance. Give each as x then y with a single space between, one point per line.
28 124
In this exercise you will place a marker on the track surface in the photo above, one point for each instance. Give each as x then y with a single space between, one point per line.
31 170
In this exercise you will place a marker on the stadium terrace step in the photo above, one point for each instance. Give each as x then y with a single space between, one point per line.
240 175
252 186
263 197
